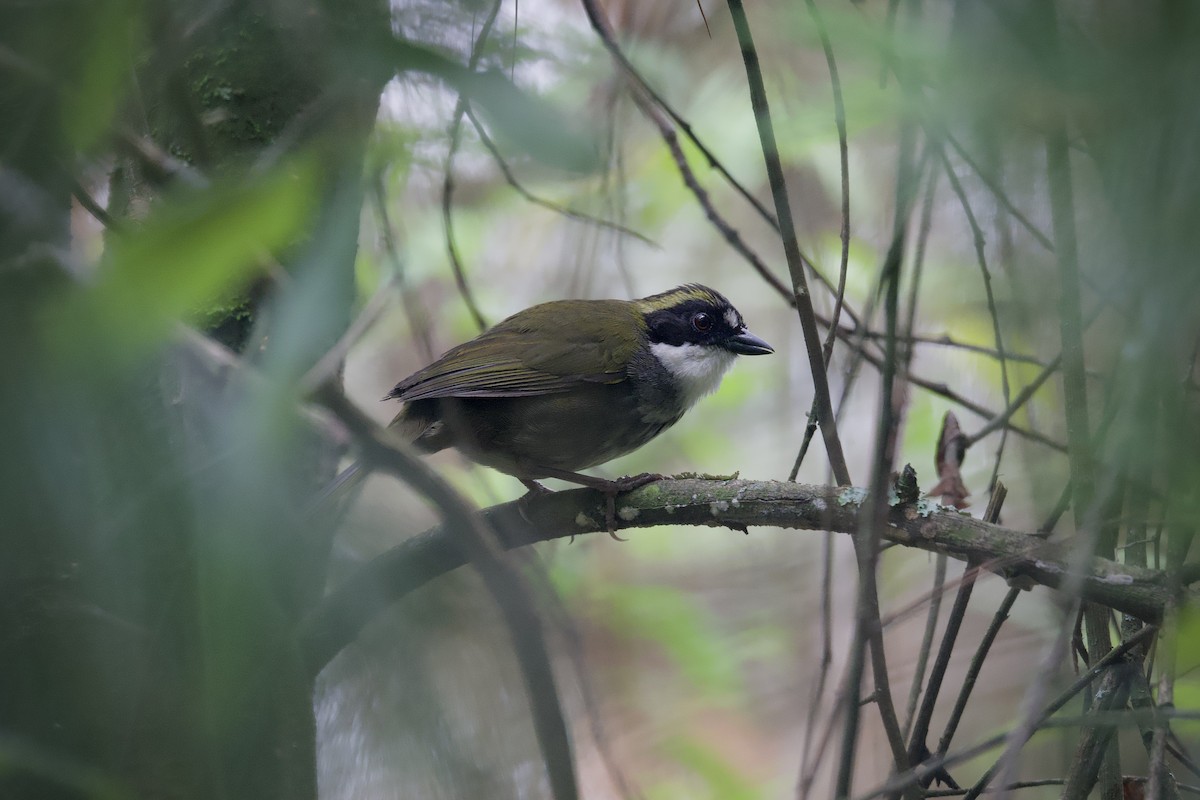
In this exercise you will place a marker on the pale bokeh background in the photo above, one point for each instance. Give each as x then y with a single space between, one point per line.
698 647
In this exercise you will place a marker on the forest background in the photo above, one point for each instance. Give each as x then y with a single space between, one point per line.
229 227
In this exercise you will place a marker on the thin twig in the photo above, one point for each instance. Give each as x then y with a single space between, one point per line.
918 739
791 243
931 620
89 203
997 192
946 340
569 213
839 118
981 257
418 318
914 286
455 135
867 626
730 233
816 696
603 28
839 113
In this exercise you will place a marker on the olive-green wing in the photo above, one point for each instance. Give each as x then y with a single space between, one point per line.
546 349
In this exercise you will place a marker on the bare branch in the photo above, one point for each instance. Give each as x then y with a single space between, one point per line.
721 503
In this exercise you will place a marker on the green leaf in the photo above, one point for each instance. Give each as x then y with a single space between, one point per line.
111 27
675 621
722 779
190 252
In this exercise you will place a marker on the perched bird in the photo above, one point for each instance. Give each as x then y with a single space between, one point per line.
571 384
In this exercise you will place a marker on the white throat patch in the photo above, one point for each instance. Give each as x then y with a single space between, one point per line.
696 368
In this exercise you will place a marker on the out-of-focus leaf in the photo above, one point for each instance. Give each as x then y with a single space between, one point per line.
1187 696
1188 646
675 621
722 779
529 122
189 253
104 63
82 780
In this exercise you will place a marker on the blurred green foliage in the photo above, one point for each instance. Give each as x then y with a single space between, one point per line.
157 555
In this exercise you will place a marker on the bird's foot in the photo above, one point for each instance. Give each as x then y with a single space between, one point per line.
535 490
626 484
610 489
631 482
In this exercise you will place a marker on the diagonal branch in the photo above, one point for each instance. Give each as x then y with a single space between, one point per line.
472 538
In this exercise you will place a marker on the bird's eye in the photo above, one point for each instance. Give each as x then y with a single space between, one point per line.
702 322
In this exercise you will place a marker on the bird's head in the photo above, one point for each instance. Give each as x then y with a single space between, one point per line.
694 332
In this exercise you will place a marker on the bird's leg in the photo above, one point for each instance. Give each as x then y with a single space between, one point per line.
533 486
535 490
610 488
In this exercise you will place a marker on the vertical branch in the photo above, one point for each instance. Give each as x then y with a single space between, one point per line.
935 606
1160 775
1062 210
460 107
1079 444
981 257
839 114
866 541
791 244
418 319
839 118
818 690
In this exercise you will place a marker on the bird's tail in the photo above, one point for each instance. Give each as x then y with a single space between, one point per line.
415 424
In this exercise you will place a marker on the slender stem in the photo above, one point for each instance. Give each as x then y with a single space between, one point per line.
520 189
977 662
981 257
868 629
931 620
818 691
603 28
731 235
839 117
839 113
418 317
996 190
791 245
460 107
1020 735
917 741
1094 750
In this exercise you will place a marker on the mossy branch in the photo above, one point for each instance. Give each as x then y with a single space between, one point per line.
735 504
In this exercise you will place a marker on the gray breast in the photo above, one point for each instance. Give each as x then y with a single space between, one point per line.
659 402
